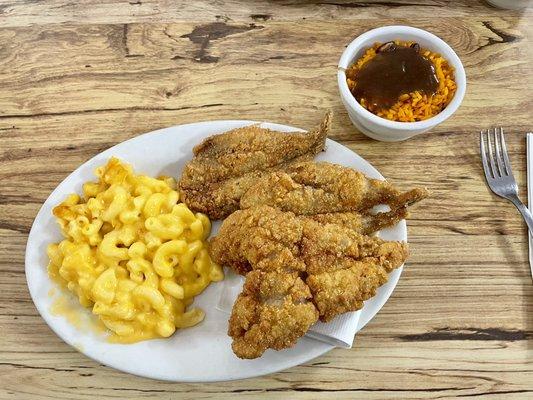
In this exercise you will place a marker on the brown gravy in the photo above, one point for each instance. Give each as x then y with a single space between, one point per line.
395 70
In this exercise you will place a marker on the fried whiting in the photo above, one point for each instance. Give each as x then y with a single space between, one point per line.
340 267
272 312
225 166
310 188
303 237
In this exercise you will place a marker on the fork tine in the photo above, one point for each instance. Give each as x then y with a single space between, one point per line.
506 161
491 156
498 154
483 151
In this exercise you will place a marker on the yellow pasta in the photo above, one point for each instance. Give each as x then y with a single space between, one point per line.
133 253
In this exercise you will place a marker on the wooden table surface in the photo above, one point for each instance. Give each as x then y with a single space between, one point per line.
79 77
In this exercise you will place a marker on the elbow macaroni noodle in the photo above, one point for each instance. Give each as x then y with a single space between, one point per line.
133 254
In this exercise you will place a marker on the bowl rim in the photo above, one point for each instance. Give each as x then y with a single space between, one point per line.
356 44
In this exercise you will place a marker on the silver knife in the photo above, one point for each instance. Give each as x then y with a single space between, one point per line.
529 157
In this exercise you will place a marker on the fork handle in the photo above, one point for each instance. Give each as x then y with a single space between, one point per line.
528 217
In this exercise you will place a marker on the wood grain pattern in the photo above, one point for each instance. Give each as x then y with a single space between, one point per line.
28 12
76 79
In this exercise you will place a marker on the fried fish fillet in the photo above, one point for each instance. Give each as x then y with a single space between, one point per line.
309 188
329 247
343 290
364 223
344 269
268 239
273 311
225 166
261 237
340 267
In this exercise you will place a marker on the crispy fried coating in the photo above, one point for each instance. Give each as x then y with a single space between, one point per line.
330 247
344 270
261 238
272 312
219 199
225 166
340 267
309 188
268 239
364 223
345 290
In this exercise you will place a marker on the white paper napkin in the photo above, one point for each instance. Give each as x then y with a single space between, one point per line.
529 157
338 332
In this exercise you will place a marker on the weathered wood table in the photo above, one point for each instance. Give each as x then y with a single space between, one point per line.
78 77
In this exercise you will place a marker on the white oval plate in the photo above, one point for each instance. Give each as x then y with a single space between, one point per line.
201 353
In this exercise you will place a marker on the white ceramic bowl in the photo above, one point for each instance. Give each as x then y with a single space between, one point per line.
380 128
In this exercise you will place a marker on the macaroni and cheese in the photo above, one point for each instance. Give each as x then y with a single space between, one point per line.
133 253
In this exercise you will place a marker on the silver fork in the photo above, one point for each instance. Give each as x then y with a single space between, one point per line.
498 170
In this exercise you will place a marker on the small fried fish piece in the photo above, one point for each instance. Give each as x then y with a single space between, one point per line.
309 188
260 238
278 251
345 290
272 312
225 166
330 247
363 223
265 238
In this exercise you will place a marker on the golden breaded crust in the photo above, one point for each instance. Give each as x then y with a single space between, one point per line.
279 251
310 188
345 290
364 223
226 165
265 239
273 311
329 247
